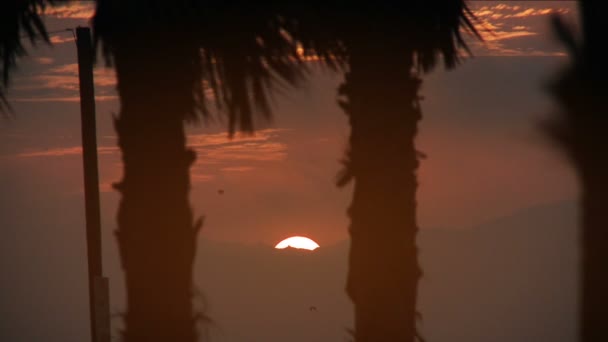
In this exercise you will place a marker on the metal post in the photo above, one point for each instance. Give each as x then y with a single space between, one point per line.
98 288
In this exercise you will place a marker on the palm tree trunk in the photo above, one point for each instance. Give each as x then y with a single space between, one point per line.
593 169
156 234
580 130
594 251
382 105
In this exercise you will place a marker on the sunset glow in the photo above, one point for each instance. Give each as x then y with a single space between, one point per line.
449 139
299 242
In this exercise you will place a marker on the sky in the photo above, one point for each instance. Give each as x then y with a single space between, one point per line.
485 112
486 156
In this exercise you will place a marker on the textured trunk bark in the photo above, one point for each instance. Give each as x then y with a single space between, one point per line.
382 104
156 234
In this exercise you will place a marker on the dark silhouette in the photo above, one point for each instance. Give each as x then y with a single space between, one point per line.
385 45
163 52
581 91
18 19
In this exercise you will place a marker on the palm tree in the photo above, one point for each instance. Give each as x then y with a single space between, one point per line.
163 52
18 18
579 128
385 45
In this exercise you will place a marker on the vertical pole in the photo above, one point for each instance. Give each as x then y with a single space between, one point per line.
91 178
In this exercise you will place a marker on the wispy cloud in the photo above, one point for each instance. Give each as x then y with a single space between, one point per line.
262 146
200 177
506 11
531 12
43 60
238 168
71 10
504 27
66 37
256 151
217 154
62 80
65 152
521 28
494 36
63 99
202 140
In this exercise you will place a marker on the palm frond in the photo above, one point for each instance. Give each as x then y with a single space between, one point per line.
18 19
431 29
244 51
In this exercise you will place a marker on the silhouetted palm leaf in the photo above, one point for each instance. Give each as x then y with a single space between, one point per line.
18 19
244 51
430 29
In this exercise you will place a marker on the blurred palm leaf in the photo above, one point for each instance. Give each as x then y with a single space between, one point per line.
18 19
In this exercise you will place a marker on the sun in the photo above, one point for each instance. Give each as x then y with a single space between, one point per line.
300 242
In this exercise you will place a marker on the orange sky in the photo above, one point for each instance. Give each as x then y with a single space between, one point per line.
486 158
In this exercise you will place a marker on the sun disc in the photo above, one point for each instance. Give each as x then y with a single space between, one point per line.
299 242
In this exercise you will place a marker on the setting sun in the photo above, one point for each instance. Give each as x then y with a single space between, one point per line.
298 242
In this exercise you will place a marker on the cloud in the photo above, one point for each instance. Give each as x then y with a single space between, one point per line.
104 77
515 30
505 11
201 177
63 99
43 60
218 145
238 168
60 39
521 28
65 152
219 149
65 78
217 153
492 36
72 10
255 151
530 12
204 140
57 82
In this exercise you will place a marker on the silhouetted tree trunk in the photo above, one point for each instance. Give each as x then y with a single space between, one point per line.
580 129
595 249
382 104
156 234
593 171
